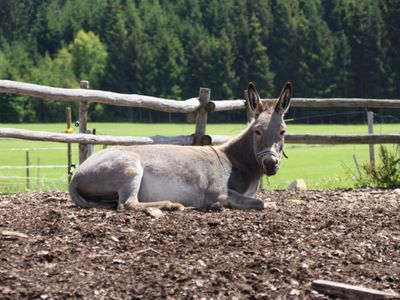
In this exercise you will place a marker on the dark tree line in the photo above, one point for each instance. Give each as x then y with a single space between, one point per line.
170 48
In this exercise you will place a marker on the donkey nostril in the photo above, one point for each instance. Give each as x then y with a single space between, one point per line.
270 163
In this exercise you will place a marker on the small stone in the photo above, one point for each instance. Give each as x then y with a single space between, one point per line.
202 263
213 223
294 292
4 202
13 234
270 205
297 201
396 191
118 261
299 185
294 282
199 282
271 286
304 265
114 238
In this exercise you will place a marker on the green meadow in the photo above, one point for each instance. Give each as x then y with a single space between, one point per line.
321 166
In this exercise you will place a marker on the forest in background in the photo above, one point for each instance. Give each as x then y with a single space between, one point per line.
171 48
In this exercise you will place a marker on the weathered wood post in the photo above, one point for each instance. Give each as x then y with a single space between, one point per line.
83 109
69 152
370 118
200 137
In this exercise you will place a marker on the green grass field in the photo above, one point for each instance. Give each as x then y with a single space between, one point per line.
322 166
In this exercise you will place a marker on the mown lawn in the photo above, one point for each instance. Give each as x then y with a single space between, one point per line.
322 166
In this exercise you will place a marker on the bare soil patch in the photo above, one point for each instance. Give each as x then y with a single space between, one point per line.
56 250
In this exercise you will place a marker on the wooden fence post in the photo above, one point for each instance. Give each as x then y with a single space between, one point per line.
69 150
201 118
83 109
370 118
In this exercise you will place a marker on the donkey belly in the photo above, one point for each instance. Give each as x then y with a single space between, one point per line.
160 188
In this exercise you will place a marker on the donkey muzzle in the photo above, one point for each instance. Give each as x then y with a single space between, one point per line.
268 161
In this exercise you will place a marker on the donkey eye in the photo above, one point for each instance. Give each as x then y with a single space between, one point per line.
283 132
257 132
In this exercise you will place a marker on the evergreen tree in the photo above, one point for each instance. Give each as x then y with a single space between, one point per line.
170 67
224 77
114 34
258 61
171 48
391 12
198 56
283 47
318 52
363 25
342 78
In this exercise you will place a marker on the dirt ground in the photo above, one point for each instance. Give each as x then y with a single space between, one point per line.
58 251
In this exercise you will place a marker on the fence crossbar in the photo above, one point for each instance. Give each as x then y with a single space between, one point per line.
189 139
174 106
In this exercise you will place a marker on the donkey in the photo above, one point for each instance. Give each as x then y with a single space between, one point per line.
172 177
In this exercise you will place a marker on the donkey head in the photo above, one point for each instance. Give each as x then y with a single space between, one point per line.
268 127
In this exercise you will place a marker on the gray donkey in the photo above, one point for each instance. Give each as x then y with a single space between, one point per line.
171 177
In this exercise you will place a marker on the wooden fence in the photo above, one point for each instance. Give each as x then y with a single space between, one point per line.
201 105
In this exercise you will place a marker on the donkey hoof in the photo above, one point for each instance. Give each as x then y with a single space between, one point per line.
175 207
120 207
217 206
128 206
179 207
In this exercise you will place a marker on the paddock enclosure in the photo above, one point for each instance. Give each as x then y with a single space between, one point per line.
198 107
201 106
51 249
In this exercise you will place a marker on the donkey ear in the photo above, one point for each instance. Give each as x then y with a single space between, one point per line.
253 99
284 98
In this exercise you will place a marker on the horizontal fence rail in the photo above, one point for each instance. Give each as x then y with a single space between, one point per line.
342 139
189 139
86 95
174 106
345 103
93 139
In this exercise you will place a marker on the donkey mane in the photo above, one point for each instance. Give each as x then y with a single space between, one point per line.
268 104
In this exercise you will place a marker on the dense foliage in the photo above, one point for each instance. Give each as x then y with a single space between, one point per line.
345 48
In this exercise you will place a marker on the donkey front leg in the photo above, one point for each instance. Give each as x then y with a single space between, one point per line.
129 190
238 201
163 205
